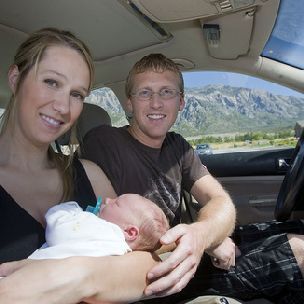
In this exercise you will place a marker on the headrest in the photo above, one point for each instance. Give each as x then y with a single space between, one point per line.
91 116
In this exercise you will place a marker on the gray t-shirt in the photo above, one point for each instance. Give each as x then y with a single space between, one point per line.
157 174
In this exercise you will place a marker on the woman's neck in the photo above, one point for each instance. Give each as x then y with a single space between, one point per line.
17 152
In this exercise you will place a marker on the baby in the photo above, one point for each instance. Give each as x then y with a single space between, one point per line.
128 222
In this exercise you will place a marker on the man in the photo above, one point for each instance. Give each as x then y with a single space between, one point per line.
145 158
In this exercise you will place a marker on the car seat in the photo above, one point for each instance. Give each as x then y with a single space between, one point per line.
91 116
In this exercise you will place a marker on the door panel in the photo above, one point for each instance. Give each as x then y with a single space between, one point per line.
252 178
249 163
254 196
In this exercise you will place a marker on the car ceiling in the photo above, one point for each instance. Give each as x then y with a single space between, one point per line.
119 32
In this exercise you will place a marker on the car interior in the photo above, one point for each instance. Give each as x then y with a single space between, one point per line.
199 35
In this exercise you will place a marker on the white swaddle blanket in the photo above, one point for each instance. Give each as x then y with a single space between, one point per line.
70 231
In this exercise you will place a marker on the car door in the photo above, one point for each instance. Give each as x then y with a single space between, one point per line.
252 178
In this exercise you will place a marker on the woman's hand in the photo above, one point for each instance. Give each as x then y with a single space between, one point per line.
173 274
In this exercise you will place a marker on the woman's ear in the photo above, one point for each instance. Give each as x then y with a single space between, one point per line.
13 74
131 232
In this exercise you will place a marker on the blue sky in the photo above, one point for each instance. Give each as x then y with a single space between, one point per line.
200 79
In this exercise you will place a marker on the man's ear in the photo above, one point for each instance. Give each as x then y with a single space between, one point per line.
181 103
131 232
129 106
13 74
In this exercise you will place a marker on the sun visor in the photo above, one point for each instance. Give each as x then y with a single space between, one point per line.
92 22
181 10
228 37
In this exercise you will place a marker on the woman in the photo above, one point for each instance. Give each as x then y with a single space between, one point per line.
51 75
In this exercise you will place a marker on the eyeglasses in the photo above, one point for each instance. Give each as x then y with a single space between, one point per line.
164 94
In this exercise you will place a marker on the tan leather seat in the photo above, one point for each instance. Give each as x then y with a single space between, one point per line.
91 116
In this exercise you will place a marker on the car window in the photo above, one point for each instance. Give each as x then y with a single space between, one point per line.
286 43
106 99
235 112
228 111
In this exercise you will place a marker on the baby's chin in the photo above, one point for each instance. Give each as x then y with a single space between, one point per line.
99 214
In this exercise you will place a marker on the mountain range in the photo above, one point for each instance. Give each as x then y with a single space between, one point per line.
218 109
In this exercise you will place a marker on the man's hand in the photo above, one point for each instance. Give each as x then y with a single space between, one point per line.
173 274
223 256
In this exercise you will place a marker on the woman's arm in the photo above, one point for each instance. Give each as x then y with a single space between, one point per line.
128 278
76 279
99 181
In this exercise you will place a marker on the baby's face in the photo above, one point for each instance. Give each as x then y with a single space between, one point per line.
120 210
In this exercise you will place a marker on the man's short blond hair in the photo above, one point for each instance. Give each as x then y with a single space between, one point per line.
157 63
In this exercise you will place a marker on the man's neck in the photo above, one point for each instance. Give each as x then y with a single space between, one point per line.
155 143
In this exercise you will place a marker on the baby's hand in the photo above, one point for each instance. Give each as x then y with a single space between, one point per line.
223 256
166 248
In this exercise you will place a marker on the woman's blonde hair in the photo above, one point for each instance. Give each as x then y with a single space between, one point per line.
28 56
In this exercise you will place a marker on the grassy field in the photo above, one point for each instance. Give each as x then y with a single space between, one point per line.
250 144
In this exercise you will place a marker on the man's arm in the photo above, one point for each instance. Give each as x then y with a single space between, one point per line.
215 222
217 214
